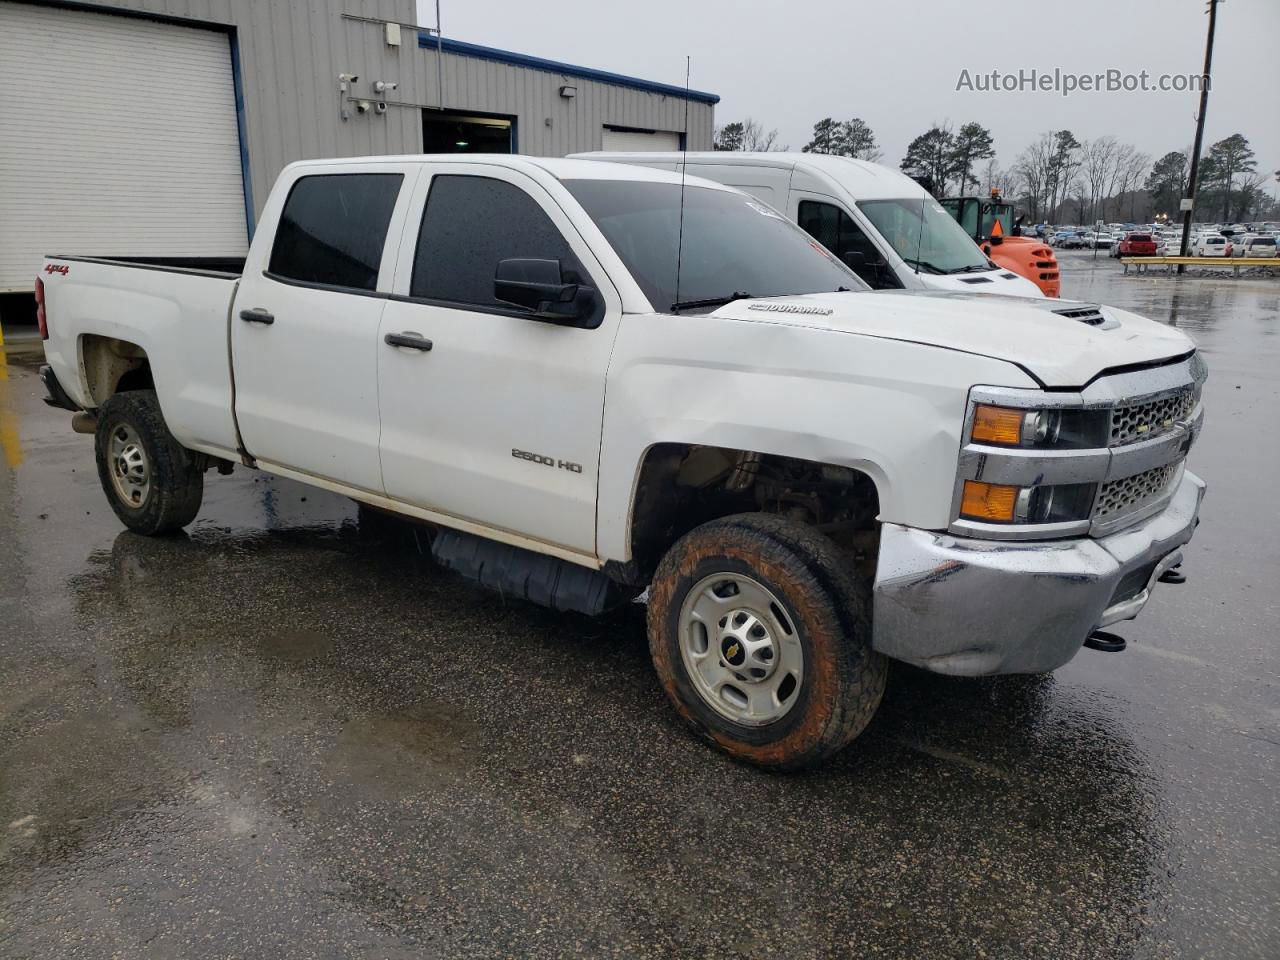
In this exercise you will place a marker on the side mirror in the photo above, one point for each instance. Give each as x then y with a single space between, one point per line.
539 287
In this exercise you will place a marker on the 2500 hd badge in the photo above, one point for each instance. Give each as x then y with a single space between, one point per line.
546 461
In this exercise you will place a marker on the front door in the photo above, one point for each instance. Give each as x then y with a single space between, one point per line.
498 422
832 227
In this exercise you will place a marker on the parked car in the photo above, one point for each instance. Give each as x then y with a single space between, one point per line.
809 478
1074 241
1135 245
884 225
1256 246
1212 245
1099 241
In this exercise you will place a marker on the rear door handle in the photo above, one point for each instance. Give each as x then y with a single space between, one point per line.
257 315
411 340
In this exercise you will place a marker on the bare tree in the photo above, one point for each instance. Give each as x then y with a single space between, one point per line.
1099 161
1136 166
748 135
1063 164
1124 160
1081 192
757 140
1253 197
1033 168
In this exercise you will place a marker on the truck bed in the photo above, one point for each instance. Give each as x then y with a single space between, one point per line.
204 266
174 310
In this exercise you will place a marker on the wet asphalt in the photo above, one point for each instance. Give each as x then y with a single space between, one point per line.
287 734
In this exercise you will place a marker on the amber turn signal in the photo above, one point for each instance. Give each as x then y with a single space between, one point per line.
992 502
997 425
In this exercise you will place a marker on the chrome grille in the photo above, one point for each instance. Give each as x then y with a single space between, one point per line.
1142 421
1116 497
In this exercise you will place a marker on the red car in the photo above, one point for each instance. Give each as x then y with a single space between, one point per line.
1136 245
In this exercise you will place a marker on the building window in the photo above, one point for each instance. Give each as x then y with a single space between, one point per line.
465 131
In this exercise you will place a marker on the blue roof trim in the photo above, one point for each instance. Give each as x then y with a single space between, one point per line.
555 66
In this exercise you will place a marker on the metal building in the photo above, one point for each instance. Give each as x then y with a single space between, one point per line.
156 127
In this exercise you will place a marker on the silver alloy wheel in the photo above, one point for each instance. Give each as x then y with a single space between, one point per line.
130 468
740 648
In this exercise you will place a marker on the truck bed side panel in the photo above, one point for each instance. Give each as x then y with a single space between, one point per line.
178 318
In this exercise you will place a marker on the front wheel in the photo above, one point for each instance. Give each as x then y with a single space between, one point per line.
761 637
148 477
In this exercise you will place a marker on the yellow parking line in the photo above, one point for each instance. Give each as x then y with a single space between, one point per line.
10 444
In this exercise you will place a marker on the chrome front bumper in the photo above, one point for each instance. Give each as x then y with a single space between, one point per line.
972 607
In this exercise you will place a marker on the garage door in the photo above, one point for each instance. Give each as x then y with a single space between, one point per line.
118 137
640 140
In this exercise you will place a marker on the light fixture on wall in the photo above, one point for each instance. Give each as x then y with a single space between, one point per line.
345 80
568 92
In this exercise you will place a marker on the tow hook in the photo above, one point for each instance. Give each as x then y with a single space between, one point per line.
1172 575
1106 642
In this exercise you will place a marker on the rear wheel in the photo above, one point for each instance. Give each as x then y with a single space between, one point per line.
761 637
150 479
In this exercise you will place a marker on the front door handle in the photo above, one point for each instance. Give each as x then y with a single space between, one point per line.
411 340
257 315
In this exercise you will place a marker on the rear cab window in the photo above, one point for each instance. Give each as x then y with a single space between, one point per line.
333 229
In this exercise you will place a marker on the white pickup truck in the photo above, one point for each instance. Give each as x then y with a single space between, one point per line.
591 378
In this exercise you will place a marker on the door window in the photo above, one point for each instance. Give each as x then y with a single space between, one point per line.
837 231
333 229
470 224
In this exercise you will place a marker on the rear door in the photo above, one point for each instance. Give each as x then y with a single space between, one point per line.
498 423
304 327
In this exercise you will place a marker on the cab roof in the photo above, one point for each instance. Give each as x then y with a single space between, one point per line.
560 168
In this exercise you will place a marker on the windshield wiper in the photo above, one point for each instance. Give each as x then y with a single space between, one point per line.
709 302
925 265
974 268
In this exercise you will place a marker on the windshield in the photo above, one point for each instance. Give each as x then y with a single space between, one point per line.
924 235
733 245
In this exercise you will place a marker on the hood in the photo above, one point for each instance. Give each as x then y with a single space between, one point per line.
1062 343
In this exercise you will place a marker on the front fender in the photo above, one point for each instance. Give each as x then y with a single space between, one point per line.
889 408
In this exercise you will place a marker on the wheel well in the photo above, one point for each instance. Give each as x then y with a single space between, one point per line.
113 366
682 486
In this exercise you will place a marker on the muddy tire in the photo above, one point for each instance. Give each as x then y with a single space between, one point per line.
741 604
149 478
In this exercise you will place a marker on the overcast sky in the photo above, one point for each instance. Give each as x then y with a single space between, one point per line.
895 63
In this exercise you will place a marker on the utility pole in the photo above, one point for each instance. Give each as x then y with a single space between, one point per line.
1194 173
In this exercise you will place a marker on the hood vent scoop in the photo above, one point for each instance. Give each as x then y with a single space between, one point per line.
1089 315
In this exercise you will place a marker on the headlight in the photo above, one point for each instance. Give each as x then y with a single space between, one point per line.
1052 428
1001 503
1007 427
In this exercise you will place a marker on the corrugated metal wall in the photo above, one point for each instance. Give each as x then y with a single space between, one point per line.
291 53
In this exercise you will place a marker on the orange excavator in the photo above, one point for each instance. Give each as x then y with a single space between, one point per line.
992 225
